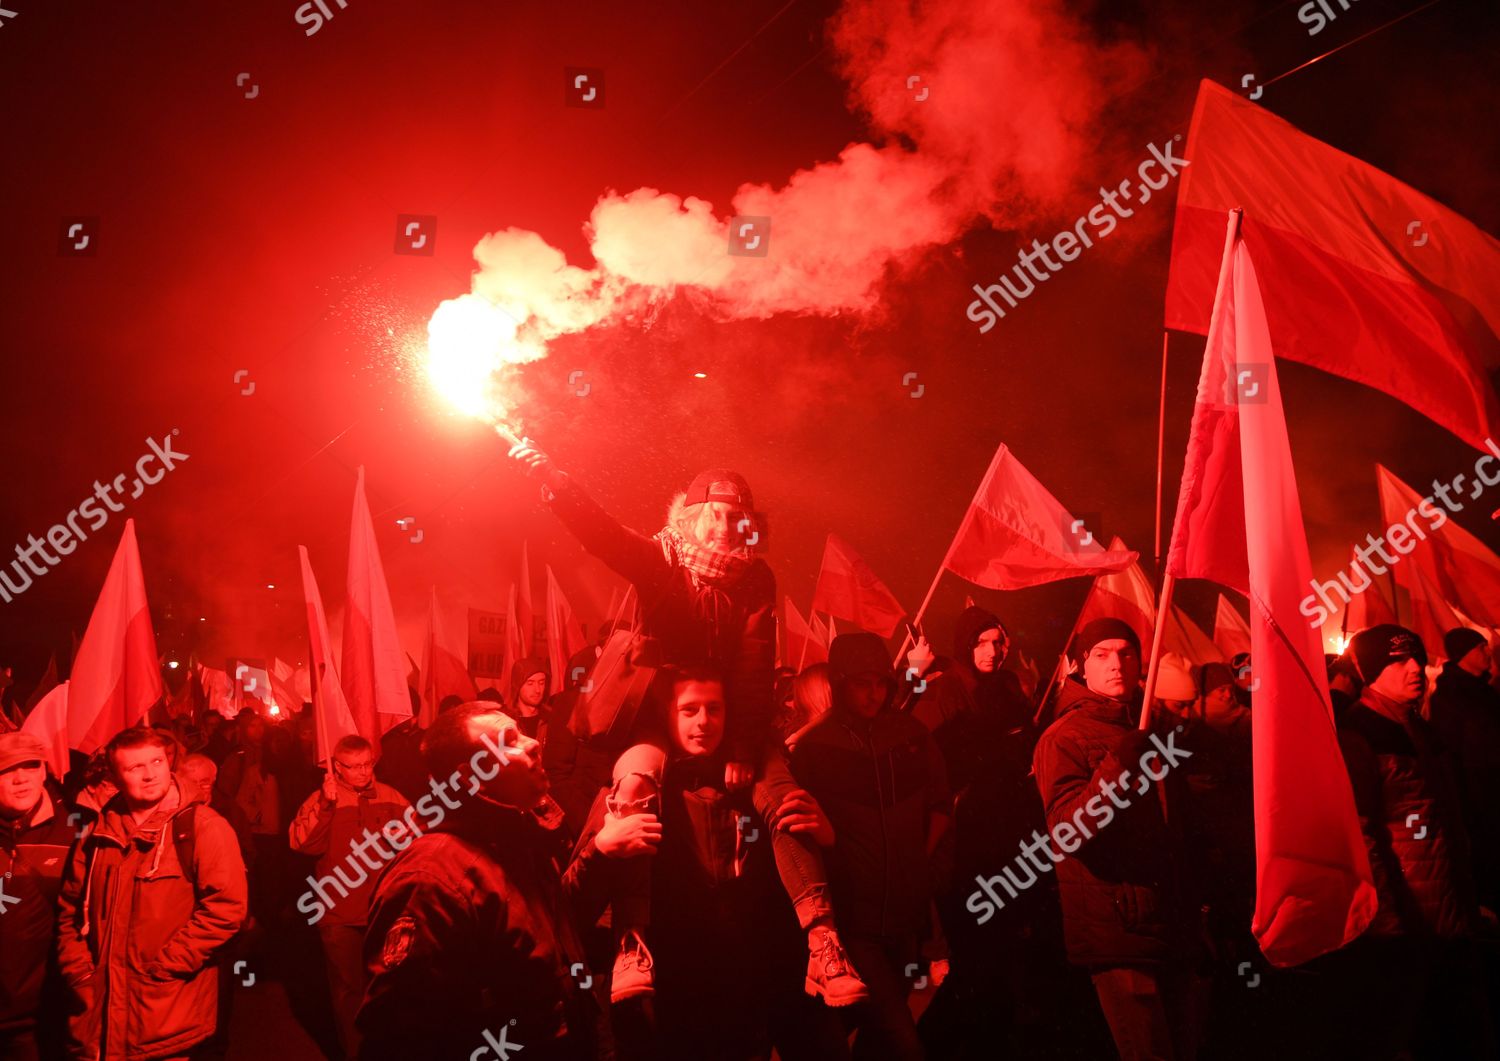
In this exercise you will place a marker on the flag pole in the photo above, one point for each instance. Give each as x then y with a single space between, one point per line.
1059 673
1163 609
1161 441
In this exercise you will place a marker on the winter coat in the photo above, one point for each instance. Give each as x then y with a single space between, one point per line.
330 831
1406 795
879 780
33 853
1466 711
472 931
138 931
731 624
1121 891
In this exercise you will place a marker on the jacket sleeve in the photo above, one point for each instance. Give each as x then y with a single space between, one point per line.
587 884
74 958
631 555
418 954
220 897
310 830
752 673
1065 782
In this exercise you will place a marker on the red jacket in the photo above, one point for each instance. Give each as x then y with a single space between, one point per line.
331 830
138 931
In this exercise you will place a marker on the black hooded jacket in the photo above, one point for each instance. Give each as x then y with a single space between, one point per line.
1466 712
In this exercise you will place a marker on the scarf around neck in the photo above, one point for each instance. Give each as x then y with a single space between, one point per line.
714 566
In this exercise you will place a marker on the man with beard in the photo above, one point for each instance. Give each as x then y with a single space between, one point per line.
528 698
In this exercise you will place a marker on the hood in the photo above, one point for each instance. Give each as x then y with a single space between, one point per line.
114 820
972 622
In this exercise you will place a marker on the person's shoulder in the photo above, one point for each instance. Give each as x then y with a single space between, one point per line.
385 793
759 581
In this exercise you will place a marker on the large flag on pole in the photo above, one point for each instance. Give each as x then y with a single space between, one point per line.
1376 605
515 649
1239 518
1230 632
116 675
1451 562
1015 534
444 671
48 682
1363 276
564 635
331 711
1129 596
849 588
374 667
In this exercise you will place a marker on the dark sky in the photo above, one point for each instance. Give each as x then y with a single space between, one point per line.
257 235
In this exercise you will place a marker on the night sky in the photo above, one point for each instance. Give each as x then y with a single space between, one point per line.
251 240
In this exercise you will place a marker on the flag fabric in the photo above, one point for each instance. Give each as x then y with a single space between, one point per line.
289 685
1432 616
218 690
48 682
1188 640
1376 605
373 665
116 675
564 635
515 648
805 645
525 613
1457 566
48 722
1313 887
1230 632
1015 534
1364 276
331 711
1126 595
849 588
444 672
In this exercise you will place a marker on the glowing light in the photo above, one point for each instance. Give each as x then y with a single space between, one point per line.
172 663
470 342
1338 643
270 585
274 710
700 375
203 618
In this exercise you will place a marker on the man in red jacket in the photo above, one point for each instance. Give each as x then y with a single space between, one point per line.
339 824
150 894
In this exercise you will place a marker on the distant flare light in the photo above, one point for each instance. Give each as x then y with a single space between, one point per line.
470 342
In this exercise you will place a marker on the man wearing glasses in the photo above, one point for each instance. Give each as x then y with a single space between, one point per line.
343 824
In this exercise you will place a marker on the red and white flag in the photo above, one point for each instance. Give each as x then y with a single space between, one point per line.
525 613
1444 560
48 723
1376 605
1015 534
849 588
805 645
1126 595
116 674
515 649
374 666
444 672
1230 632
1363 276
564 635
1239 522
334 719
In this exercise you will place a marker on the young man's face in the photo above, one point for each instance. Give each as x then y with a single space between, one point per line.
864 694
1477 660
532 690
1403 681
520 781
355 769
719 525
989 653
21 788
698 717
1112 668
144 774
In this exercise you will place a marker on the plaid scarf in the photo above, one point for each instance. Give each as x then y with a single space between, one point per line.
713 566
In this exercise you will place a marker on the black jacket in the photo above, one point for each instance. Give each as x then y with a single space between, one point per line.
879 780
1406 795
472 930
1466 712
1121 889
33 854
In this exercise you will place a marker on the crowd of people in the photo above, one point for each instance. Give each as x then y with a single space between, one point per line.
679 850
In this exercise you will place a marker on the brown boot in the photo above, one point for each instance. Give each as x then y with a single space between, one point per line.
829 972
